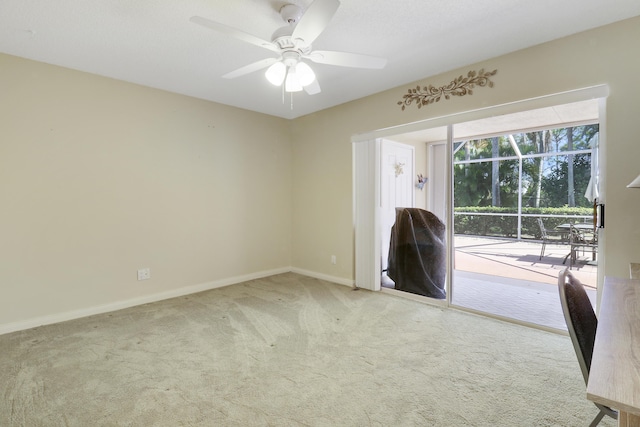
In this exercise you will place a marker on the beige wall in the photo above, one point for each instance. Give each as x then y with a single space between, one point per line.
99 178
322 155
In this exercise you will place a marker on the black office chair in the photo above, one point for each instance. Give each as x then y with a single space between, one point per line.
582 324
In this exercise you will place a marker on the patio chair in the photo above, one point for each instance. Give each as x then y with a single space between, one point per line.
580 241
550 236
582 324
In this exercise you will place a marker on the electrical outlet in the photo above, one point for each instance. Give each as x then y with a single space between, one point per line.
144 274
333 259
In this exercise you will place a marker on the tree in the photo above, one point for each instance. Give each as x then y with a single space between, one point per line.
495 172
571 194
472 184
556 184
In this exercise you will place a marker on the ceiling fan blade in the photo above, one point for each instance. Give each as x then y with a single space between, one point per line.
312 88
240 35
345 59
263 63
315 20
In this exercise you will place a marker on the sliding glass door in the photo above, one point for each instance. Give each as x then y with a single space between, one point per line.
517 191
508 190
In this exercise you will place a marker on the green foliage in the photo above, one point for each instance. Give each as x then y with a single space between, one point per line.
540 187
473 184
556 187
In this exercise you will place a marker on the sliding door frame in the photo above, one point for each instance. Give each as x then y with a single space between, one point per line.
367 178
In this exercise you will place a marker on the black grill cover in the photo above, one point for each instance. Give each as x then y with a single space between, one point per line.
417 253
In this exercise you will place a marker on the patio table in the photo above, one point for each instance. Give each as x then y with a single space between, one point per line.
580 227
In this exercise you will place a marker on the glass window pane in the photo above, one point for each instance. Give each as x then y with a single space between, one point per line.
565 180
557 140
493 183
484 149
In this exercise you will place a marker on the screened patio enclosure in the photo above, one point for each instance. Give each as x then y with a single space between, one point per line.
504 183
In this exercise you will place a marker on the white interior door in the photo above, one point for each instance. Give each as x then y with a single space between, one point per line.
396 188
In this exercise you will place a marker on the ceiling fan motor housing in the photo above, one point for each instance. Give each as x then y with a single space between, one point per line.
282 38
291 14
290 58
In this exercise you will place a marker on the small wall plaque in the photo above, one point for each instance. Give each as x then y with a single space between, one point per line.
458 87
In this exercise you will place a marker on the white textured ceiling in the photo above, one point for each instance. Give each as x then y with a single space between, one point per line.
153 43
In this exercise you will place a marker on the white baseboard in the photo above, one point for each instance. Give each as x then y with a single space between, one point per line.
119 305
187 290
333 279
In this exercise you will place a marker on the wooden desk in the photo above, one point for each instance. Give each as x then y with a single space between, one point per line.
614 378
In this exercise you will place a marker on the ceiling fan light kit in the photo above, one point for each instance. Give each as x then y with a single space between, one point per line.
293 44
292 83
305 74
276 73
294 73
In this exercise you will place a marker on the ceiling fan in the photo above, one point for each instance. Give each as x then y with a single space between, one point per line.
292 44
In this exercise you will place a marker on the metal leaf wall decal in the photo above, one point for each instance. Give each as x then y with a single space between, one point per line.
458 87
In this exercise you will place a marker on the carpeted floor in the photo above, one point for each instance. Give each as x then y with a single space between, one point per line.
289 350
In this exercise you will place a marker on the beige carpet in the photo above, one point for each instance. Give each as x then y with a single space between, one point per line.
290 351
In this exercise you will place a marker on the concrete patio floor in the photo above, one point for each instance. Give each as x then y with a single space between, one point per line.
506 278
519 259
